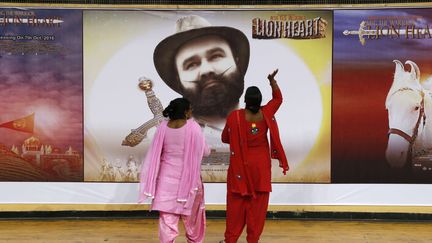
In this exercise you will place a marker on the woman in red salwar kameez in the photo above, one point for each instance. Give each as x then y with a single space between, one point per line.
249 172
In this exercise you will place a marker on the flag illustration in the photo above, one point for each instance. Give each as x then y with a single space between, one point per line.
24 124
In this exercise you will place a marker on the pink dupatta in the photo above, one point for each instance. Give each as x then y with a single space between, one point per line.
195 148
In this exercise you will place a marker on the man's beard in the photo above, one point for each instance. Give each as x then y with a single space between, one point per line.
216 95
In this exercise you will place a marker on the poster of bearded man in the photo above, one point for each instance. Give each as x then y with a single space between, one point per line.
208 57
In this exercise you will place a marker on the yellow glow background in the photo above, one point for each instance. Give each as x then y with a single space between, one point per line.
318 56
316 53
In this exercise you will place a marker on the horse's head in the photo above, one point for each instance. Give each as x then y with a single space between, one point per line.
405 106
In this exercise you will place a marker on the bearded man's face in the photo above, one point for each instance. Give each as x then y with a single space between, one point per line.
209 76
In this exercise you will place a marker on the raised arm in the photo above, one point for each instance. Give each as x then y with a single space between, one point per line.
276 100
272 80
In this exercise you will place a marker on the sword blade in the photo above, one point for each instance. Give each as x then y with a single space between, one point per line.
387 32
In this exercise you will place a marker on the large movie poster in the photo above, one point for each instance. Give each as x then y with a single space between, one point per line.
41 119
135 62
382 92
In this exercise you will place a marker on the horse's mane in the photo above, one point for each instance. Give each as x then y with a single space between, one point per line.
402 80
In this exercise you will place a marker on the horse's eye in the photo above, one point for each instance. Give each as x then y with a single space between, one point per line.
416 108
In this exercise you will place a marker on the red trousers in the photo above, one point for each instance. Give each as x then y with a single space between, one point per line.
245 210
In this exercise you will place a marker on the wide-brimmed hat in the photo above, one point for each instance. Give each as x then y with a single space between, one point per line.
191 27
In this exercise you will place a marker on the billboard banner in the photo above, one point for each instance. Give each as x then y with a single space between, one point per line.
382 96
41 92
136 62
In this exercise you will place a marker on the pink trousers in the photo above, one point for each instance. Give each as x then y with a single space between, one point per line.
194 224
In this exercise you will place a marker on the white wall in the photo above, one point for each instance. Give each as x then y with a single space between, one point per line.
283 194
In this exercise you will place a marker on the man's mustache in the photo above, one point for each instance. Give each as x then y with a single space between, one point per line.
212 76
222 73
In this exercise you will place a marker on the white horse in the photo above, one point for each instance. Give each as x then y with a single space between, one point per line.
409 107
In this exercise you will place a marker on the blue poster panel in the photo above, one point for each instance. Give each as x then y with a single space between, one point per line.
41 95
382 96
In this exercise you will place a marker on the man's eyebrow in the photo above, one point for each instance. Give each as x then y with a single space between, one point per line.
189 59
216 49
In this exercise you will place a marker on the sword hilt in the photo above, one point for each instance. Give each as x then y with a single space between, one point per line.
138 134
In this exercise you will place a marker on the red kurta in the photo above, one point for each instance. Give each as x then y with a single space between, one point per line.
239 178
258 158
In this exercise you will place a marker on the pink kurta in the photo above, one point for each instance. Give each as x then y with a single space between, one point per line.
164 165
171 165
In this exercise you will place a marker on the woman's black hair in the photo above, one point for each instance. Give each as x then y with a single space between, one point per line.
177 109
253 99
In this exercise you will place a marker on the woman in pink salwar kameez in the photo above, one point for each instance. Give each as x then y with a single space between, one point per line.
171 174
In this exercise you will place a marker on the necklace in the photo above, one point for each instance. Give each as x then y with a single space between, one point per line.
254 129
